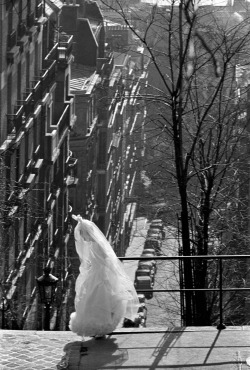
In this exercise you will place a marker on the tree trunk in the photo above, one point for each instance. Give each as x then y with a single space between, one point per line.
202 317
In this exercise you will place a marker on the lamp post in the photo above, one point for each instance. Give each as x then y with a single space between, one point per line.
3 308
47 286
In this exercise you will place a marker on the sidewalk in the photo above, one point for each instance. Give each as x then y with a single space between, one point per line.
130 349
137 240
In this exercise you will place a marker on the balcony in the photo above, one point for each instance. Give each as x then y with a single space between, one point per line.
32 98
30 20
17 120
51 147
71 102
41 86
71 2
64 49
27 103
30 181
39 10
21 30
71 181
71 166
116 139
12 48
37 91
63 122
37 166
50 202
48 76
12 39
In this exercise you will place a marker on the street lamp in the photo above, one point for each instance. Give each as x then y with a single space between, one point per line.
3 308
47 286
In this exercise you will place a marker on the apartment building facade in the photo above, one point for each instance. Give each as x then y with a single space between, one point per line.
108 131
37 168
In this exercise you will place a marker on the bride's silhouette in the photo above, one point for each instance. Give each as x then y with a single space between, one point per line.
104 292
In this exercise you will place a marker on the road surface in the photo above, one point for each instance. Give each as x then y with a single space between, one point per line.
164 308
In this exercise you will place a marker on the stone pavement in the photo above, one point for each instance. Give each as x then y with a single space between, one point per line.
136 245
130 349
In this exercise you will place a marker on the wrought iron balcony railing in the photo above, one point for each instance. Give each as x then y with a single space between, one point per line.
65 46
31 19
62 50
12 39
21 30
39 10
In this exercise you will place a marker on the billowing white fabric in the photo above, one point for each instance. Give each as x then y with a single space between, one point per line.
104 292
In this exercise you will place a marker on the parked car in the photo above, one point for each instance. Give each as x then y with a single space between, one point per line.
164 214
149 255
158 227
157 221
141 298
143 318
127 323
140 319
144 282
148 251
147 264
142 308
155 244
154 229
145 272
154 233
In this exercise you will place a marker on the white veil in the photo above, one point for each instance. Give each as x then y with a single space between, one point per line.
122 286
95 234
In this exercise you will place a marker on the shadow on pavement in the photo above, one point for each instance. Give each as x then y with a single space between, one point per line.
92 354
164 346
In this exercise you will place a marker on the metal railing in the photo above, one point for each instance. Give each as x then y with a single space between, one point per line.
221 289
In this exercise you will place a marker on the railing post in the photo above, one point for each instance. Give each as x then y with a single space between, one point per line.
221 325
3 318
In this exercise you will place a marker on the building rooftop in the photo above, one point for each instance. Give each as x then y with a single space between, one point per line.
82 77
120 58
53 6
132 348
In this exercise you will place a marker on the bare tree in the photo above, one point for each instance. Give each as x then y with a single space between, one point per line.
197 132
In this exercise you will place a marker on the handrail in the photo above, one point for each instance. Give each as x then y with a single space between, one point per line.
220 289
209 256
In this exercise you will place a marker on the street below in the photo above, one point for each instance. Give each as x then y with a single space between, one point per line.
164 308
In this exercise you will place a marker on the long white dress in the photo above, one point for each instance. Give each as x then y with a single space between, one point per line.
104 293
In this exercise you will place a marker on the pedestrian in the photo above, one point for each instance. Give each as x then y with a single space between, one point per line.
104 293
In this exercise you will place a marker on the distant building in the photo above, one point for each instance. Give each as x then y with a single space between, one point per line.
36 114
107 135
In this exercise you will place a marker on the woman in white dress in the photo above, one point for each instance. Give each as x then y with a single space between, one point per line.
104 293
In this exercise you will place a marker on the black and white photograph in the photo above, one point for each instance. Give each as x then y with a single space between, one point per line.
124 184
